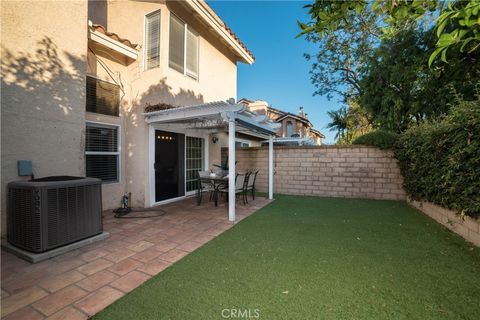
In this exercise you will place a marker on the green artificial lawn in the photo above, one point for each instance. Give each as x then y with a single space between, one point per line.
318 258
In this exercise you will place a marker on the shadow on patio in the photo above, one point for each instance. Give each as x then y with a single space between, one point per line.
80 283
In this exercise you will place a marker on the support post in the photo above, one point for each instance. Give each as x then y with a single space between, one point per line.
270 168
231 169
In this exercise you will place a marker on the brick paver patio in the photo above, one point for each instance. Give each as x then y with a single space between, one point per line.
80 283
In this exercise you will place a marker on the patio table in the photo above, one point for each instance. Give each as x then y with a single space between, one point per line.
217 183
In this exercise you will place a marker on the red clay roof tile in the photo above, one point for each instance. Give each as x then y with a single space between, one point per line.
114 36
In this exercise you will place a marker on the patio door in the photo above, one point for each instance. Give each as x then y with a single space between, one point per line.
195 161
169 165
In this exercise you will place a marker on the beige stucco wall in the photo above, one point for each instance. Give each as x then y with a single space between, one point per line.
42 91
217 81
217 66
45 58
106 65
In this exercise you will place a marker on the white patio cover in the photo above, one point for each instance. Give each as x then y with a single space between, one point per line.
227 116
216 115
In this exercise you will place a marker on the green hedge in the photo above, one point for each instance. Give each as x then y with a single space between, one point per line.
379 138
440 161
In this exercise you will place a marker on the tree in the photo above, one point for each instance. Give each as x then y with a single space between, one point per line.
399 89
359 122
458 24
377 55
349 122
341 53
339 122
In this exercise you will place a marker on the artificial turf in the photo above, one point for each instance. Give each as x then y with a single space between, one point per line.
318 258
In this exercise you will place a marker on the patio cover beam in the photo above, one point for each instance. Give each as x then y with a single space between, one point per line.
270 168
231 168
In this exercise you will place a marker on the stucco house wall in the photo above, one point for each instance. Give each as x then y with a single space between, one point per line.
46 55
102 65
216 81
42 88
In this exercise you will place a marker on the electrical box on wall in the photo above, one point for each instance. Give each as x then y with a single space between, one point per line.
24 167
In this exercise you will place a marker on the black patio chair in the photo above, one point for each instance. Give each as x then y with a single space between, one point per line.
252 177
203 186
241 180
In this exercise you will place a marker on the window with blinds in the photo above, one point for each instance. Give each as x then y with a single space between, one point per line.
176 44
152 40
102 152
102 97
183 48
192 53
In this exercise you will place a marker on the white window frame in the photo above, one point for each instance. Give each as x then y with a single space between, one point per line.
185 34
119 146
204 147
144 62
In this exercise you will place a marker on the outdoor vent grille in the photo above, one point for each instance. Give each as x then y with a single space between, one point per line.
43 215
26 224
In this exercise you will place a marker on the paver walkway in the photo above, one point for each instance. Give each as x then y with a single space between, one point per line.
80 283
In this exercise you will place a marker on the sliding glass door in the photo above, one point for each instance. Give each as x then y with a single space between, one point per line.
178 158
169 165
194 161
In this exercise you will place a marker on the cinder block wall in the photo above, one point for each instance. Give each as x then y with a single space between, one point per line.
329 171
466 227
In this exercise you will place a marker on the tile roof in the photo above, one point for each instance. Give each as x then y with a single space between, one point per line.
227 28
114 36
240 42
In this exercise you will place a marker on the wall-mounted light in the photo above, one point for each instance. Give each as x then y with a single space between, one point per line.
214 139
165 138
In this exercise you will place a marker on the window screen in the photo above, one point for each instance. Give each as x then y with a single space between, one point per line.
152 40
102 97
176 44
101 152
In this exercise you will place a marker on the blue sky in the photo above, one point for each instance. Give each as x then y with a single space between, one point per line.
280 74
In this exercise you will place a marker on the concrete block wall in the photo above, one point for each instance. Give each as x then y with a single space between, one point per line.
328 171
466 227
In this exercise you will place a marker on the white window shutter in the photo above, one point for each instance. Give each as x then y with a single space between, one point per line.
152 39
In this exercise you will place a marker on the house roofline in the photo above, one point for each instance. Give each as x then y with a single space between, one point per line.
317 132
98 33
296 117
206 13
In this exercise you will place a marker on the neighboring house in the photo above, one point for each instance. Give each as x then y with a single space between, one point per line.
292 125
77 77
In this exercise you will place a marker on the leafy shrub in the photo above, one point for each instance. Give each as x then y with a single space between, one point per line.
440 161
379 138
